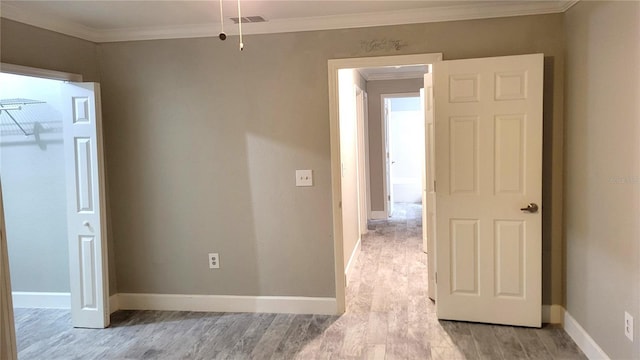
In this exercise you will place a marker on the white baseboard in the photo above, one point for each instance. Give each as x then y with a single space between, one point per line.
114 304
552 314
43 300
352 260
584 341
378 215
227 303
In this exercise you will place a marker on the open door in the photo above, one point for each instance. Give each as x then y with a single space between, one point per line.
85 204
429 186
389 158
489 173
361 161
7 327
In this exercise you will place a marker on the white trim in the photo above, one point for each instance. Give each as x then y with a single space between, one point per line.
568 5
552 314
114 303
353 258
378 215
42 300
13 12
398 17
40 73
228 303
582 338
366 157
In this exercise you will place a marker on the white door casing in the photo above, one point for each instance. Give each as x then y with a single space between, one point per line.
7 329
423 182
386 108
86 204
361 161
429 189
489 165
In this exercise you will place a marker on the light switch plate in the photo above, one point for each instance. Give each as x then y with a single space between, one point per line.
304 178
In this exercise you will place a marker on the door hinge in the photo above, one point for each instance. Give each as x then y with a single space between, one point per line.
389 197
434 186
436 278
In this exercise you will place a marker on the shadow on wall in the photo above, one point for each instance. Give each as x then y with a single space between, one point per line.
195 168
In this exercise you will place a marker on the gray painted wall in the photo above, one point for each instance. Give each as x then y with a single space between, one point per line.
202 142
603 171
376 142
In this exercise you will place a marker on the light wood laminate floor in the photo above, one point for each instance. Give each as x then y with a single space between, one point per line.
389 316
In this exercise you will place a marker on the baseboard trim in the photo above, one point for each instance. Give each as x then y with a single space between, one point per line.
352 259
227 303
552 314
42 300
114 303
582 338
378 215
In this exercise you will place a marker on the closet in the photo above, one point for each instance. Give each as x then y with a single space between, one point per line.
32 170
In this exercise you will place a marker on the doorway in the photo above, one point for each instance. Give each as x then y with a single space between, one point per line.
404 152
491 124
337 132
33 180
53 185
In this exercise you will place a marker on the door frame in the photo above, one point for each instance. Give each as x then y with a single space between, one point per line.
334 133
67 77
387 187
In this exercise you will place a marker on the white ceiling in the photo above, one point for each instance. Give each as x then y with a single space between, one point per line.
118 20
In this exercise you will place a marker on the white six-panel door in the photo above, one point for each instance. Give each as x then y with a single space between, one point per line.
85 205
429 188
488 166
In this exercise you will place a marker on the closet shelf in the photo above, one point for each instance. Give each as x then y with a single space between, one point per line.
9 105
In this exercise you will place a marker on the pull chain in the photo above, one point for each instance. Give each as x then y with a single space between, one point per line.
240 26
222 35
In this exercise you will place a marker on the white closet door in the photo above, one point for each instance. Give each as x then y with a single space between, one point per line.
86 205
488 168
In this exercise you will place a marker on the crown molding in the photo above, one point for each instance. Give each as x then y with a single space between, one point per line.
12 12
412 16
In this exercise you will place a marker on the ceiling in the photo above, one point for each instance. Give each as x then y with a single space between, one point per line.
119 20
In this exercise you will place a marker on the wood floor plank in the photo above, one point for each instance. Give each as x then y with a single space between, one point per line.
486 342
510 346
531 343
389 316
292 341
274 334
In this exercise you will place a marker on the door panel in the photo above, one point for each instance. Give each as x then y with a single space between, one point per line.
488 127
388 160
86 205
429 196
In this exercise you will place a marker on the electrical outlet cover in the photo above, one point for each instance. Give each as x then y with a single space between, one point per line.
628 325
304 178
214 261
